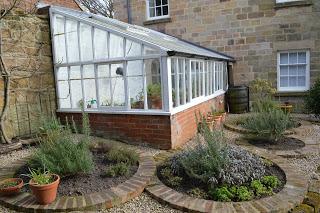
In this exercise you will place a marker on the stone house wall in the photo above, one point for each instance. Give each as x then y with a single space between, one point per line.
252 31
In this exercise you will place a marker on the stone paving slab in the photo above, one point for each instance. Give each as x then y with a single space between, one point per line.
91 202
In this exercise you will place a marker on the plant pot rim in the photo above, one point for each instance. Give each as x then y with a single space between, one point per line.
19 185
57 180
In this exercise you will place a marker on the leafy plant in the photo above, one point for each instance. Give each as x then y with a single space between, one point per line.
243 194
259 189
170 178
8 184
313 99
198 193
269 124
39 176
221 194
50 124
154 90
270 181
119 169
119 154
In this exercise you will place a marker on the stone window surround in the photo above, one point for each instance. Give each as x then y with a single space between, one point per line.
294 89
150 18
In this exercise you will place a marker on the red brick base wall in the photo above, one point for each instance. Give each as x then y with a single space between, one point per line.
153 130
159 131
184 125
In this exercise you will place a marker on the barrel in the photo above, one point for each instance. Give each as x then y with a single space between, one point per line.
238 99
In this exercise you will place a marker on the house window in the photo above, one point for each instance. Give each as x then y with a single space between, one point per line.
284 1
157 9
293 71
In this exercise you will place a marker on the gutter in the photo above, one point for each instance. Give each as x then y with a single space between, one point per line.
129 11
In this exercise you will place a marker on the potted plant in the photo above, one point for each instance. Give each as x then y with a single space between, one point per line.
10 186
138 102
44 185
92 103
154 96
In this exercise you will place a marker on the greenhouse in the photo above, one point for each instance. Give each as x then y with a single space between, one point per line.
121 69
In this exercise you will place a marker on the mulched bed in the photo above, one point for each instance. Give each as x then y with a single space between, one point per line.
96 181
287 143
187 185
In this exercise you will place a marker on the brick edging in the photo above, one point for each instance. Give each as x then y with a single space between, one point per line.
290 196
95 201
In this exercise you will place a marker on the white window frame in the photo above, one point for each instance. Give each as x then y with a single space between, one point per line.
156 17
285 1
294 89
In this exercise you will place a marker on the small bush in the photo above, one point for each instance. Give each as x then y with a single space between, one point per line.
313 99
270 125
243 194
221 194
119 154
170 178
119 169
198 193
259 189
270 181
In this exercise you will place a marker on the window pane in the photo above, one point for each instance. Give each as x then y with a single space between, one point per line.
86 42
151 3
158 2
164 2
151 12
64 94
302 70
116 46
59 40
72 39
135 84
293 59
117 85
292 70
173 81
88 71
181 82
76 92
149 51
90 93
193 79
284 82
62 73
158 11
302 57
187 80
75 72
301 81
154 91
284 70
133 48
292 81
104 85
165 10
100 44
284 58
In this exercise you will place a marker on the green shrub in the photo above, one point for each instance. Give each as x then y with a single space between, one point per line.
169 178
313 99
50 124
119 169
205 161
221 194
270 125
261 93
121 154
63 153
39 176
243 194
259 189
270 181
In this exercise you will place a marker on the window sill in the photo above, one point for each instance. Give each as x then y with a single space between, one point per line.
103 111
301 3
157 21
290 94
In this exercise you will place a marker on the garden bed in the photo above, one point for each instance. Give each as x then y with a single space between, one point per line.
285 144
83 184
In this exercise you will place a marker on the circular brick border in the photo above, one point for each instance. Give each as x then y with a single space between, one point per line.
290 196
95 201
242 130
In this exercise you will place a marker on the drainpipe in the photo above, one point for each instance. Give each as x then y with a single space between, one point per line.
129 11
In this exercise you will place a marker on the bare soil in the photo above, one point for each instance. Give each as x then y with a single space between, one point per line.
287 143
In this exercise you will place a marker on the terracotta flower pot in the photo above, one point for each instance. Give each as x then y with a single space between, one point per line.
45 194
11 190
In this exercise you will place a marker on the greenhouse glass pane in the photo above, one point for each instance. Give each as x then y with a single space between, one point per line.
116 46
75 72
134 68
72 40
64 94
173 81
104 87
76 93
86 42
135 84
100 44
117 85
133 48
150 51
88 71
62 74
90 93
181 82
152 71
59 40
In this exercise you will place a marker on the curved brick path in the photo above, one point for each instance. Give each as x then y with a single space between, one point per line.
290 196
95 201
